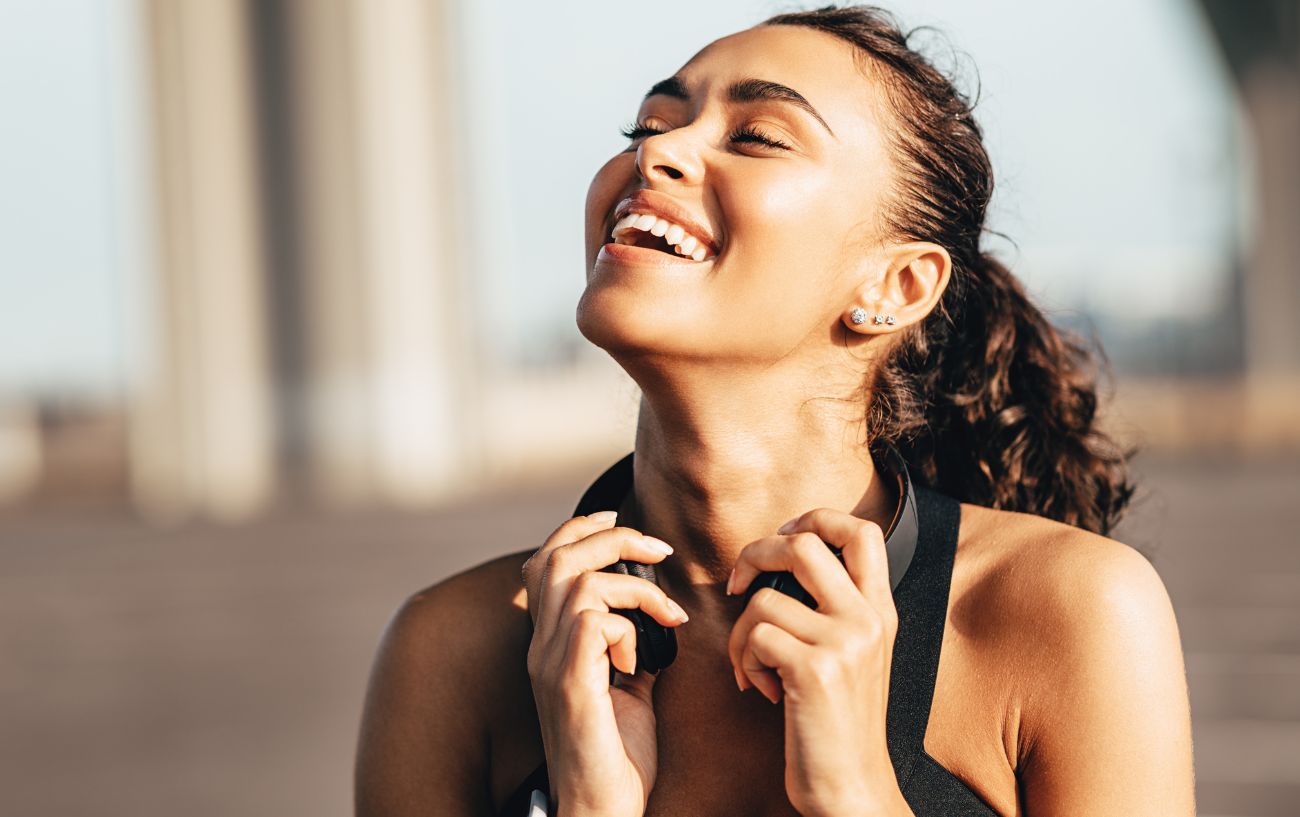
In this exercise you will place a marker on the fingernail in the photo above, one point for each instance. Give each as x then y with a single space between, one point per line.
731 579
677 608
788 526
602 516
659 544
740 683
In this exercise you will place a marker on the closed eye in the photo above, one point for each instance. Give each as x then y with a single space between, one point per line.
745 133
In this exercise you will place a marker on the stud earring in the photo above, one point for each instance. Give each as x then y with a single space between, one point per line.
889 319
858 315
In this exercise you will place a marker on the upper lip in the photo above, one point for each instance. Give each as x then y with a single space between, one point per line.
662 205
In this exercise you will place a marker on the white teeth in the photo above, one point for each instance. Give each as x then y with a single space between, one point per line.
687 246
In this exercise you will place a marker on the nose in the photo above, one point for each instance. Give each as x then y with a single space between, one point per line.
668 156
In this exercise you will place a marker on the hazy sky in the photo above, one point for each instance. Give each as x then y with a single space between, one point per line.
61 208
1110 124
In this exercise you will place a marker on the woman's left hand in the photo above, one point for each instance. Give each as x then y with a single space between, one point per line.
831 664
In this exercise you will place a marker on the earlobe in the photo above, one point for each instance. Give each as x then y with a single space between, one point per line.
914 280
858 316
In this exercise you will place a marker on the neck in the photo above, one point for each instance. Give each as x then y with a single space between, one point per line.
723 461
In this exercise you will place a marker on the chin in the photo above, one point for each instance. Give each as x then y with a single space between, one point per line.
629 321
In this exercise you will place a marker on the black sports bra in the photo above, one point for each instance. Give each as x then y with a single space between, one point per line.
921 598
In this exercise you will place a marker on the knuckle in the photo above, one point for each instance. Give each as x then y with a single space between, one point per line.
558 557
587 622
855 643
805 545
621 531
765 598
582 584
870 533
823 669
817 514
871 629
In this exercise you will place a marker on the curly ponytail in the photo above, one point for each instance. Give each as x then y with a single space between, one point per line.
985 398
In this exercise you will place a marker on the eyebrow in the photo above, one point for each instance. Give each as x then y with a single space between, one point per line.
745 90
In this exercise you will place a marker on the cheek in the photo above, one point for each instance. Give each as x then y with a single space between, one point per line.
610 180
787 233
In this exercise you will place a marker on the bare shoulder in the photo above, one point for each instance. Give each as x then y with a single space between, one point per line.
1057 580
451 660
1080 630
475 612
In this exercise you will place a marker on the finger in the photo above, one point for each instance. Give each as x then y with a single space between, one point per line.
805 555
770 654
571 530
566 562
596 640
774 607
867 563
595 590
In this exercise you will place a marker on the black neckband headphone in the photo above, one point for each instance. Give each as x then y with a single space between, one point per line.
656 645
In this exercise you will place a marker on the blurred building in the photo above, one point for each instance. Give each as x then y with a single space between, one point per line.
314 336
314 321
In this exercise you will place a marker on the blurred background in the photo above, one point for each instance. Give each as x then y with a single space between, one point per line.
287 294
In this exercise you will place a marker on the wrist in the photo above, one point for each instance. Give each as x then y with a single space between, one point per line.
873 801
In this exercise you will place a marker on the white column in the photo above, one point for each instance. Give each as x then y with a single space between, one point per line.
201 426
422 359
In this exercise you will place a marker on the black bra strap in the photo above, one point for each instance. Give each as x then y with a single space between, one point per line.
922 602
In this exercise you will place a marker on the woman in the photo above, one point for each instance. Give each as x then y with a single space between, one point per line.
788 247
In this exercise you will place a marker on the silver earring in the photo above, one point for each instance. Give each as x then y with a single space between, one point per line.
858 315
889 319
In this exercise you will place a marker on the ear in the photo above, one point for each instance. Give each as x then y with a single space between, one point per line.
916 275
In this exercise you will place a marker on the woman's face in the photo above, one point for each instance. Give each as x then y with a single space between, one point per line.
790 228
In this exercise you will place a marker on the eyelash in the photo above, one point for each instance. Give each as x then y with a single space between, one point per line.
636 130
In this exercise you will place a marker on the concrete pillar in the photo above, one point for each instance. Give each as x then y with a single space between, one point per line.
389 404
1260 42
421 360
201 433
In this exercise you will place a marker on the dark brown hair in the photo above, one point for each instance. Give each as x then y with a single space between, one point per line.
986 400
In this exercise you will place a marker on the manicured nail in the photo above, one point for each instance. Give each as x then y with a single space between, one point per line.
788 526
730 580
659 544
677 608
740 681
602 516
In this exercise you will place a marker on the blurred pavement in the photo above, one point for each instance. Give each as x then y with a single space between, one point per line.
213 670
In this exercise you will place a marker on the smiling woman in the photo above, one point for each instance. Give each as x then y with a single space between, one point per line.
787 261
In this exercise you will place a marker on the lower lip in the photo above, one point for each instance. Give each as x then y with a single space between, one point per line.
644 257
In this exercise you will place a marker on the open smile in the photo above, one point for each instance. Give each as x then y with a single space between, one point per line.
650 222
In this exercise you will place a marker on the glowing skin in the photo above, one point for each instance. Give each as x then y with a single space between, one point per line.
733 354
1060 688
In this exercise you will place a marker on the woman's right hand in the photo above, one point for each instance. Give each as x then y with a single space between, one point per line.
599 739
